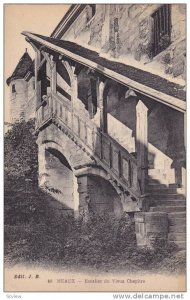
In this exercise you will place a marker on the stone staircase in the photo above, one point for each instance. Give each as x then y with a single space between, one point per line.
170 199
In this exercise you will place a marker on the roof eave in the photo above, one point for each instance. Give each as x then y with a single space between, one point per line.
138 87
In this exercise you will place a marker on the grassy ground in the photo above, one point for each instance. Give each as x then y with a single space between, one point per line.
35 234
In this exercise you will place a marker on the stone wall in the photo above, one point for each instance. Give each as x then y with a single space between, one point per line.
59 180
125 31
166 143
22 101
18 99
30 104
102 196
151 227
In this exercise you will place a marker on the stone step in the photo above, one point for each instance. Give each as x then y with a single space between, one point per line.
177 221
158 185
168 196
177 229
177 236
165 190
180 244
175 202
168 208
176 215
157 181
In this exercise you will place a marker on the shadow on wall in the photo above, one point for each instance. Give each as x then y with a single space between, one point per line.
165 126
60 179
103 197
165 131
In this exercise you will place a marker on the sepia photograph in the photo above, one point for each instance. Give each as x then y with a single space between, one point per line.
95 147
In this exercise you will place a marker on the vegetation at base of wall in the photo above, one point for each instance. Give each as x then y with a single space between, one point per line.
38 233
20 151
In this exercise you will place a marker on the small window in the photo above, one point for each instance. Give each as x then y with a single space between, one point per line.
13 88
161 29
33 85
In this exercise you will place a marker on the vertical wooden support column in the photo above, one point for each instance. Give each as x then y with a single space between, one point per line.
142 144
53 76
74 91
37 82
185 129
90 103
74 85
101 102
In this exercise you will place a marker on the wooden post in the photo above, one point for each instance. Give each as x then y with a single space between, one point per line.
142 143
53 76
74 90
37 82
102 106
36 70
74 85
185 129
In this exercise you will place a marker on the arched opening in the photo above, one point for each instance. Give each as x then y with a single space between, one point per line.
63 81
61 182
121 114
103 197
87 91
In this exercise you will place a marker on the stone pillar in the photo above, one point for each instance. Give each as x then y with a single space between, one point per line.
41 166
151 227
83 195
142 144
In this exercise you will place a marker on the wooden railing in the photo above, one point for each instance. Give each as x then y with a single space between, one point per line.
108 153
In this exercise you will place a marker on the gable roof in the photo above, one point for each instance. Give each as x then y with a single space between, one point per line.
67 20
24 66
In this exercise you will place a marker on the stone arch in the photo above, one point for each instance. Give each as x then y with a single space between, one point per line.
57 176
68 68
102 194
71 148
98 171
55 145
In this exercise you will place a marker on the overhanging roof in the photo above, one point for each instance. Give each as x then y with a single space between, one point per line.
23 67
141 81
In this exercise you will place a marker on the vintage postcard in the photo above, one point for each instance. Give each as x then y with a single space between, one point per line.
95 147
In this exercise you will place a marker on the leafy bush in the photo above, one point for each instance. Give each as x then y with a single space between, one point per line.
20 151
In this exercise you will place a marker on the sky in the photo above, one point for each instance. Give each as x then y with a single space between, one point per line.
37 18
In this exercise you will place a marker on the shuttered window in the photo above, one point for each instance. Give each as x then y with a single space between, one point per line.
161 29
